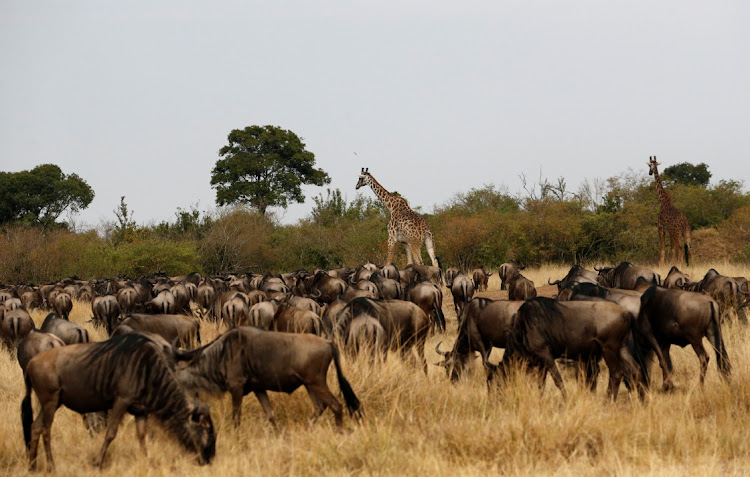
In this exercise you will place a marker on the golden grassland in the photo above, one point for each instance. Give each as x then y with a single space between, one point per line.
424 425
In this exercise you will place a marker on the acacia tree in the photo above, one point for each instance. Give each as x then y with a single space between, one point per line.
264 166
41 195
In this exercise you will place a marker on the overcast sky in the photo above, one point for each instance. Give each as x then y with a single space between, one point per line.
435 97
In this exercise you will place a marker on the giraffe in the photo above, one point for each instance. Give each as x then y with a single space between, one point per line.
405 226
672 221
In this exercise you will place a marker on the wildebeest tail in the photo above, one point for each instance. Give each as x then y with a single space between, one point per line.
352 403
27 414
438 313
640 349
722 359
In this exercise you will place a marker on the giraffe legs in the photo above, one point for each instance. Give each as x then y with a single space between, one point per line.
409 255
430 246
661 246
391 245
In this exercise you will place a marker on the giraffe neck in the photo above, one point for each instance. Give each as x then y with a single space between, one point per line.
664 196
385 197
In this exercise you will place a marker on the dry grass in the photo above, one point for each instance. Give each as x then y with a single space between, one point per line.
419 424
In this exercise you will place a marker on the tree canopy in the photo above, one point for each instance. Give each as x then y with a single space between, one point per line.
264 166
687 174
41 195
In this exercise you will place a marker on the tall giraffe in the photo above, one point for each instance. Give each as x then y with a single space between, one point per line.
672 221
405 226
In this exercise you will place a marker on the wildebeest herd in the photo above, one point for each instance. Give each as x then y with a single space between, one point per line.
284 330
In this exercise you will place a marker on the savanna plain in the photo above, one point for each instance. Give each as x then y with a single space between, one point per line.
424 425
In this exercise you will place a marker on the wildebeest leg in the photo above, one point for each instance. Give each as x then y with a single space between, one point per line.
322 398
266 403
140 431
113 422
614 364
632 370
551 367
43 426
702 357
592 372
236 392
668 368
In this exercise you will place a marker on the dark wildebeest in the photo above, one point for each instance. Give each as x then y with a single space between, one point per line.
576 274
462 291
106 310
205 296
508 270
429 298
406 325
725 290
32 299
323 287
69 332
483 324
184 329
35 343
681 318
126 373
625 276
628 299
545 329
520 288
676 279
296 320
450 274
127 298
63 305
15 325
481 278
388 288
247 359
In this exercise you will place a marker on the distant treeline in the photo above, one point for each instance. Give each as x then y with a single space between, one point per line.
604 222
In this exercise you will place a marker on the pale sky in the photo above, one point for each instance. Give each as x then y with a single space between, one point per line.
435 97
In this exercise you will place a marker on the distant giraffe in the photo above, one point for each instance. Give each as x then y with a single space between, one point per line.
671 221
405 226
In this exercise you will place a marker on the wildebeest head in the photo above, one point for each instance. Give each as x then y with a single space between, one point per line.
202 428
363 178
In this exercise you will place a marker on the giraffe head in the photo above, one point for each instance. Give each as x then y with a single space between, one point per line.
652 165
364 178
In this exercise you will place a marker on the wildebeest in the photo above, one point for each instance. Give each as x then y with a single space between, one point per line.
32 299
261 314
545 329
450 274
628 299
35 343
508 270
462 291
429 298
106 310
725 290
15 325
390 271
296 320
324 288
483 324
127 298
406 325
163 303
366 332
415 271
576 274
184 329
235 311
388 288
520 288
675 278
678 317
69 332
63 305
247 359
126 373
481 278
625 276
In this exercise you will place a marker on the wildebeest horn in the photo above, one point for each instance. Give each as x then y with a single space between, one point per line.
437 350
556 282
597 269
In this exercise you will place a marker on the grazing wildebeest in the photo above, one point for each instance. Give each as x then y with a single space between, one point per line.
63 305
676 279
126 373
429 297
483 324
576 274
184 329
247 359
15 325
35 343
296 320
323 287
681 318
69 332
406 325
462 291
106 310
481 278
508 270
545 329
520 288
625 276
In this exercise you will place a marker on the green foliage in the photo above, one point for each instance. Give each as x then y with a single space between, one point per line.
264 166
687 174
237 241
41 195
143 257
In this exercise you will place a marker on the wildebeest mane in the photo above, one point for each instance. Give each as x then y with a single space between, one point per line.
542 315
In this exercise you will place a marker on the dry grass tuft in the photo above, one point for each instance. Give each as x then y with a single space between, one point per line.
417 424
